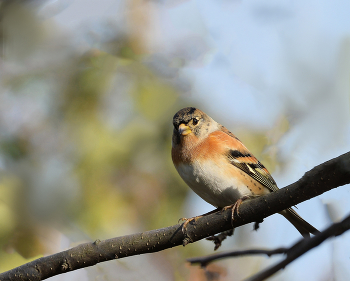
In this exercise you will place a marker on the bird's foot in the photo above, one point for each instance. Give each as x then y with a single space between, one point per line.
188 239
187 221
235 207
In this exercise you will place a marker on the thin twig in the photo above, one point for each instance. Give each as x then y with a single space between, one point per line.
302 247
203 261
298 249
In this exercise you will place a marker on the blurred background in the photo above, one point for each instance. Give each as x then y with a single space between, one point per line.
87 94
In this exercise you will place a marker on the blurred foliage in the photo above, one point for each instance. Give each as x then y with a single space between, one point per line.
85 140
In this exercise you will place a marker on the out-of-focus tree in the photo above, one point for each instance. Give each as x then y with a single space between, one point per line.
85 138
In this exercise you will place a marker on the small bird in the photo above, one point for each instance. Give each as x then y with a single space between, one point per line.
218 167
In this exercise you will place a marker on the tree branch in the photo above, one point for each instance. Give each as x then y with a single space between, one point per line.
295 251
302 247
320 179
204 261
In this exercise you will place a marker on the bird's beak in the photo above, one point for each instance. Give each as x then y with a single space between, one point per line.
184 130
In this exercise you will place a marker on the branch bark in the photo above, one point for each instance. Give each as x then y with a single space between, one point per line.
324 177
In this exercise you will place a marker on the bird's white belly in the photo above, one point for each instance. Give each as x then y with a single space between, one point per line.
211 183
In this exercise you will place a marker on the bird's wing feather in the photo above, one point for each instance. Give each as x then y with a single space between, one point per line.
240 157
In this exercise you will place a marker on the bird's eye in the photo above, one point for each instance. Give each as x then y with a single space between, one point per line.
195 121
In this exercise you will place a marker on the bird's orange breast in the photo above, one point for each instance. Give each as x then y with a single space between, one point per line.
193 149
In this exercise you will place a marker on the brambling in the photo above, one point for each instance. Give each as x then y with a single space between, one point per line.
218 167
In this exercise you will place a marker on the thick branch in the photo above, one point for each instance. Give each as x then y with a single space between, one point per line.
320 179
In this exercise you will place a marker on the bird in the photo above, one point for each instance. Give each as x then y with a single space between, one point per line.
217 166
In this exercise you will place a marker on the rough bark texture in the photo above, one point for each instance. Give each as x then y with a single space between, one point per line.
320 179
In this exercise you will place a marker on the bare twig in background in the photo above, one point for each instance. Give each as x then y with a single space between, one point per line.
320 179
292 253
302 247
203 261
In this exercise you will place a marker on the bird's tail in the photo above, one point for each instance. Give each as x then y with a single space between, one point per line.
299 223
